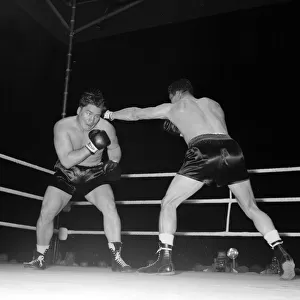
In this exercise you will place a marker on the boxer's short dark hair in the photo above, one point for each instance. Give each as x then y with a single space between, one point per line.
181 85
92 96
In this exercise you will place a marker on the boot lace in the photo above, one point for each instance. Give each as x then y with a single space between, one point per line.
120 260
158 251
40 260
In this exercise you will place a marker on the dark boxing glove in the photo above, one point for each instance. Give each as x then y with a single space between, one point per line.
98 140
112 170
169 127
109 166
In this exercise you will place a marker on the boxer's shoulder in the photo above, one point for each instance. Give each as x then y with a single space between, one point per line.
66 121
104 125
65 124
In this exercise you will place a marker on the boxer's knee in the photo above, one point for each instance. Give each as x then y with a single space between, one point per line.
108 208
251 210
169 203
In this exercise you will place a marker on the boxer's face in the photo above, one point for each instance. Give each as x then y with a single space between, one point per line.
89 116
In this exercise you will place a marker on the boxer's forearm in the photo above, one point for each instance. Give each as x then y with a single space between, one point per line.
114 154
126 114
74 157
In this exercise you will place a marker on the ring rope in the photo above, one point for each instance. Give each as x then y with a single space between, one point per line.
214 233
157 202
20 226
152 233
138 202
21 162
269 170
18 193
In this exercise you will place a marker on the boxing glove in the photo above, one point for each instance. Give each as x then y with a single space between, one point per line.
169 127
98 140
107 114
109 166
112 170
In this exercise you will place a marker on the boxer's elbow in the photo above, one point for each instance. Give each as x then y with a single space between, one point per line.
66 163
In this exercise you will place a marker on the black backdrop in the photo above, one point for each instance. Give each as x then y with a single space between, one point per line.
247 61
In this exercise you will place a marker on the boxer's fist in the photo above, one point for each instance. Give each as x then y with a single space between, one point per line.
108 115
194 153
112 170
98 140
169 127
109 166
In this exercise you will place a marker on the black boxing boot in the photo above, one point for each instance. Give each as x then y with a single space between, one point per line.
286 263
38 261
163 265
117 262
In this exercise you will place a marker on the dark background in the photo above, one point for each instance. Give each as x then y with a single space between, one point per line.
246 60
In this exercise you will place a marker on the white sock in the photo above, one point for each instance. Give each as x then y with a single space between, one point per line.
273 238
166 238
42 249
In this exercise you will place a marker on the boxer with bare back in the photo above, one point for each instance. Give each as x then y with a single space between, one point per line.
79 143
212 157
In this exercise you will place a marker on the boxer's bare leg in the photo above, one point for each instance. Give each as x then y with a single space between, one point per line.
54 201
263 223
180 189
103 198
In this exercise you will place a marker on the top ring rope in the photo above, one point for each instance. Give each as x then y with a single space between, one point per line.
21 162
149 175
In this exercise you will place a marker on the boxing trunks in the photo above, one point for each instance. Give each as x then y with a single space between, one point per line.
82 179
214 158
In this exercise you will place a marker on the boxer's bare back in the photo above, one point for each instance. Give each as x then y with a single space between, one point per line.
194 117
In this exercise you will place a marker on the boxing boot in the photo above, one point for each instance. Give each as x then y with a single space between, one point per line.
163 265
286 263
117 262
38 261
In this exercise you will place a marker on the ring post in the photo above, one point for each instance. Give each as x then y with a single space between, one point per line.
67 78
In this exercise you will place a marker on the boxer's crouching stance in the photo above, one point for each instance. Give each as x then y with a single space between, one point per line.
79 142
212 156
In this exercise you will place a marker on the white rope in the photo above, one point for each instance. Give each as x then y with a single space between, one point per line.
13 225
154 233
143 233
194 201
139 202
270 170
20 162
18 193
149 175
20 226
157 202
275 170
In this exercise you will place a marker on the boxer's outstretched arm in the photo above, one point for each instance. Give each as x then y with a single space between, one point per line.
64 149
136 113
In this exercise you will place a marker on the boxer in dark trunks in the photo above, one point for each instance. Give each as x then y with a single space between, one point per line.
212 156
79 143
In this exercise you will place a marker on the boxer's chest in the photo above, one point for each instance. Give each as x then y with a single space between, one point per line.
78 138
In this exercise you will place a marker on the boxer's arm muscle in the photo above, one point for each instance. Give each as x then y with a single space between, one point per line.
136 113
113 150
64 148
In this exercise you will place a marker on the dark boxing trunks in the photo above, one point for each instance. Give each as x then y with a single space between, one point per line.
81 178
214 158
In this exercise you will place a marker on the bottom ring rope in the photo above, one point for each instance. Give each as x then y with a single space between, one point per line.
64 232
